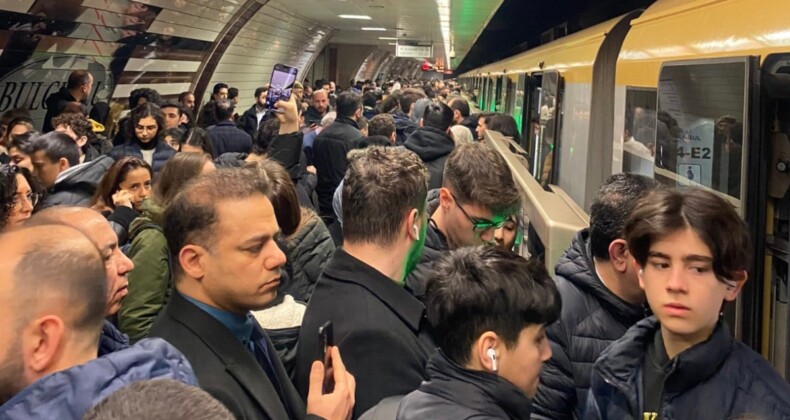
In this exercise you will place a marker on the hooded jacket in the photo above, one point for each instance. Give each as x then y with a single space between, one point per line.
404 127
435 246
330 152
592 318
76 185
70 393
433 146
308 250
453 392
249 120
111 339
716 379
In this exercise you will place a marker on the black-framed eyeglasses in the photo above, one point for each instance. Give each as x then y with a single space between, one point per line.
479 226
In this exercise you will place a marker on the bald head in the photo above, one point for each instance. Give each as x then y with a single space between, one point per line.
320 101
53 270
93 225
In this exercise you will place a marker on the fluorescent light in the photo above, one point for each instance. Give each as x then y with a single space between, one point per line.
392 43
374 29
388 38
358 17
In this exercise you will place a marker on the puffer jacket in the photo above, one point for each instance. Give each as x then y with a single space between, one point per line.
453 392
162 153
77 186
404 127
308 250
150 283
111 339
592 318
330 152
435 246
70 393
713 380
433 146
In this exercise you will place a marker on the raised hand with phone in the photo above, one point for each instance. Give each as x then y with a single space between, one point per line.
337 404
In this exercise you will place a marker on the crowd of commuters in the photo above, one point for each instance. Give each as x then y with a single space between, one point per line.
180 262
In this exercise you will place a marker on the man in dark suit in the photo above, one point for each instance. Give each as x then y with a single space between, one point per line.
225 136
361 289
221 233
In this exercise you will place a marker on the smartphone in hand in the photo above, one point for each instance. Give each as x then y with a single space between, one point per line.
281 84
326 340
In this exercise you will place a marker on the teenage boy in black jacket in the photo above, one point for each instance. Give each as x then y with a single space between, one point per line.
693 251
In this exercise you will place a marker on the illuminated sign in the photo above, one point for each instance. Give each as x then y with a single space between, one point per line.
413 51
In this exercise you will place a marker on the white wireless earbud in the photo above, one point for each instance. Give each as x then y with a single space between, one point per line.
491 353
641 271
416 231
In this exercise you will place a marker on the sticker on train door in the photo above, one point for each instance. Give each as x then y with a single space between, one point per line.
695 152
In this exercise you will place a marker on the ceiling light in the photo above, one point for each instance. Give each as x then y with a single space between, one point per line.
358 17
374 29
388 38
392 43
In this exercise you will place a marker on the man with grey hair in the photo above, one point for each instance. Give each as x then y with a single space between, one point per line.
225 136
53 291
377 323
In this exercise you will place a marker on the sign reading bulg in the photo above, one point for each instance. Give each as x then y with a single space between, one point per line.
413 51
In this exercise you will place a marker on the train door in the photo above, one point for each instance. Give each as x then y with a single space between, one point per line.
510 93
518 104
493 86
484 94
774 315
531 132
545 119
701 139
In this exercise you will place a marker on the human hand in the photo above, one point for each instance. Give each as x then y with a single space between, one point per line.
339 404
311 169
122 198
288 114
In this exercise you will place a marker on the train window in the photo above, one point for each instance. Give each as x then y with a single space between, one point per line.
636 145
545 130
701 125
532 130
518 103
484 96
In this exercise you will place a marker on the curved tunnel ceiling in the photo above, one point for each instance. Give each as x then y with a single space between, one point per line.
167 45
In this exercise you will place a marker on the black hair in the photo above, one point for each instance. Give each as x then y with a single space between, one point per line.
150 95
208 115
173 105
183 96
78 78
17 121
146 110
233 92
225 109
264 135
24 142
218 87
8 186
611 208
56 146
504 124
460 105
197 137
369 100
438 116
347 104
260 90
478 289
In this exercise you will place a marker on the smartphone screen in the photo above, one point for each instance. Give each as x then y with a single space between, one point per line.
281 84
326 340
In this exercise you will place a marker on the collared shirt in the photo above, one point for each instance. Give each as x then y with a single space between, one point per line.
240 326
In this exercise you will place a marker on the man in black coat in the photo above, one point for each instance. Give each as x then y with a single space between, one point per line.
432 141
253 117
601 298
477 196
488 310
225 136
221 234
331 147
378 325
77 89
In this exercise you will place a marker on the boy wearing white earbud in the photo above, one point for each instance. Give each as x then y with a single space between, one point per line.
487 309
692 250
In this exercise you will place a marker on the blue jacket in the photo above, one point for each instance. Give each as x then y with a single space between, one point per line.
112 339
70 393
717 379
227 138
162 153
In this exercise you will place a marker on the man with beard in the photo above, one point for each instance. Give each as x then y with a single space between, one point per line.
378 325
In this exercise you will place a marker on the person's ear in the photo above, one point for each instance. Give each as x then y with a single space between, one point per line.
413 227
486 351
394 137
42 344
618 255
421 123
445 199
63 164
193 261
81 141
735 285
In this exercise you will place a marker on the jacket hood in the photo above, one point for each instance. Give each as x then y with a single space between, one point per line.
153 216
481 391
70 393
231 160
430 143
112 339
63 94
85 176
576 265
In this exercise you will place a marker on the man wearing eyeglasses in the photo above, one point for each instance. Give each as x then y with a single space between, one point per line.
477 197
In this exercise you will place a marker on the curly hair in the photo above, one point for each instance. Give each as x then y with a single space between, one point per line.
8 186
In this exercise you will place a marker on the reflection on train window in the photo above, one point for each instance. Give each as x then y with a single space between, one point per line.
639 131
700 125
544 128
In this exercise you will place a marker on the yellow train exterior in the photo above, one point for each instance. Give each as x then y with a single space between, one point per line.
691 92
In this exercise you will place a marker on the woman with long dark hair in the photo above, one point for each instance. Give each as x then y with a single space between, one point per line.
145 129
19 195
121 193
